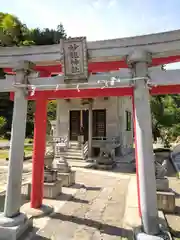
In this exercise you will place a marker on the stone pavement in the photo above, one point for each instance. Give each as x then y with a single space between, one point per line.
94 211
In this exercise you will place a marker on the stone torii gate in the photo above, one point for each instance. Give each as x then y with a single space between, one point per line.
79 61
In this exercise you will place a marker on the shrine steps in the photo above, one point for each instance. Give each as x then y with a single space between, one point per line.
74 152
74 155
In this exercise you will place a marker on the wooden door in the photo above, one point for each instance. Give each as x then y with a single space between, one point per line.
99 123
74 125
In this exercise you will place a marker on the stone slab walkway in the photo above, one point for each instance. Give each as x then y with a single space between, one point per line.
95 211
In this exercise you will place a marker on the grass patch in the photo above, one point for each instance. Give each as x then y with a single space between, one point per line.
28 148
27 140
5 153
4 140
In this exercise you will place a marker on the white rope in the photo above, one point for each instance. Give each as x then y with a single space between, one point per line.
114 82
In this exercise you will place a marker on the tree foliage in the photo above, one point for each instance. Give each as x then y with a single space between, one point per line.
165 115
14 33
2 122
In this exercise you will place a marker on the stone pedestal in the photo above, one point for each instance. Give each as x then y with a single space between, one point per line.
166 201
105 162
61 165
52 189
68 179
13 228
162 184
50 176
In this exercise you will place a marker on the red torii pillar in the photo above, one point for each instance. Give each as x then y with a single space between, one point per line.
39 147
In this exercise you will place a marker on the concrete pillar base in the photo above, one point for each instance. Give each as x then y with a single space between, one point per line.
144 236
140 235
13 228
43 211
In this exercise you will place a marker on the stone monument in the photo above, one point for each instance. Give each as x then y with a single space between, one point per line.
60 163
162 183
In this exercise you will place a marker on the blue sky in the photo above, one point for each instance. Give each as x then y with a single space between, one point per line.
98 19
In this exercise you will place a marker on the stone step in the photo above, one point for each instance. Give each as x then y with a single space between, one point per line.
75 147
74 144
68 157
74 150
73 153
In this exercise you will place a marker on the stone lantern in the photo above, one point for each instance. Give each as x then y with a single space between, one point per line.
60 163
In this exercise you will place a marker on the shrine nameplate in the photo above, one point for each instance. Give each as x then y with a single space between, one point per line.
74 61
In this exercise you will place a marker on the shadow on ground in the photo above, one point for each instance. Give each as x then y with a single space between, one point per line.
78 186
102 227
119 168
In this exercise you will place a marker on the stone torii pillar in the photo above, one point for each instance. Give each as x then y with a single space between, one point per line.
12 222
138 62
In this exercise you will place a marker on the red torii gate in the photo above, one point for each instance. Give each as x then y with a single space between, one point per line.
41 98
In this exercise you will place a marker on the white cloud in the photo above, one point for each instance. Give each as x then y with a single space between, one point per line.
112 3
96 4
102 4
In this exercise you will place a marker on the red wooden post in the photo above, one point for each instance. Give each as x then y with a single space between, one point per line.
136 156
39 150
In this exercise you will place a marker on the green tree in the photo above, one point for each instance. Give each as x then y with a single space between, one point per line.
165 115
15 33
12 31
2 122
52 110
